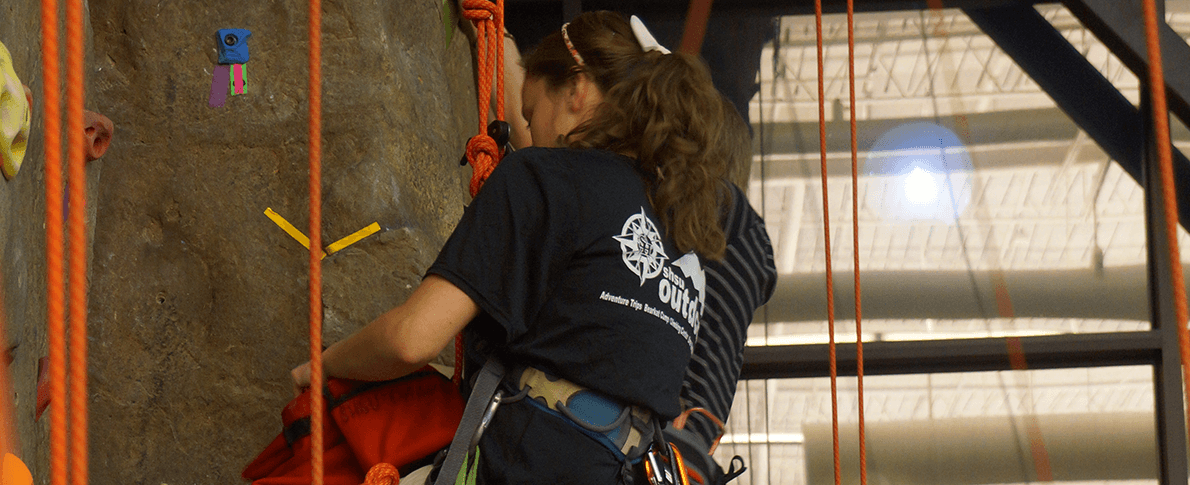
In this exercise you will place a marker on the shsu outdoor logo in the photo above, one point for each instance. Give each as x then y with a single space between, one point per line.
641 244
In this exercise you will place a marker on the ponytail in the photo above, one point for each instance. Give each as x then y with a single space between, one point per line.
667 114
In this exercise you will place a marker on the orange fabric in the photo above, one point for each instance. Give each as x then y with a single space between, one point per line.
396 422
401 422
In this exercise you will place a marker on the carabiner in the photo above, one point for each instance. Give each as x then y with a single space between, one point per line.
487 418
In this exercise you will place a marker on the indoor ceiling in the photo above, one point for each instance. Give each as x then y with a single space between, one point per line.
1026 191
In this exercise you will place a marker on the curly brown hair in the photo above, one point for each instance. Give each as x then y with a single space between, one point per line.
660 108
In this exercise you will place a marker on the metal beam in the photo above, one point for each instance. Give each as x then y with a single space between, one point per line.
1113 293
1076 87
999 127
1119 24
967 355
773 8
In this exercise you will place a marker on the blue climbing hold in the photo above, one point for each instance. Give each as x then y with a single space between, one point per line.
233 45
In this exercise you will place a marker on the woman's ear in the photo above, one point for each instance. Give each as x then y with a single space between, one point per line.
582 94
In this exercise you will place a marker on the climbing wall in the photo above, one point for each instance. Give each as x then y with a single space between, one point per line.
22 236
198 303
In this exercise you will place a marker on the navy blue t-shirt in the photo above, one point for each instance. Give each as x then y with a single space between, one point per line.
575 274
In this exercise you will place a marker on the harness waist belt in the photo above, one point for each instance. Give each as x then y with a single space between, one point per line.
625 426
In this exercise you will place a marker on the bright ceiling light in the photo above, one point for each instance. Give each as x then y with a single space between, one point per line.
920 187
926 173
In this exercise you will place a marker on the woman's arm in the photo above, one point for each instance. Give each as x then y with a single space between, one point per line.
400 341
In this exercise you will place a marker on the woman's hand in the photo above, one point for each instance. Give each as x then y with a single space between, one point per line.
301 378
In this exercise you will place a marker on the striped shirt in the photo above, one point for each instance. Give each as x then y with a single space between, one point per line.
736 286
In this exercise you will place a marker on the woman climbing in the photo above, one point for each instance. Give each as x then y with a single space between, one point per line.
579 264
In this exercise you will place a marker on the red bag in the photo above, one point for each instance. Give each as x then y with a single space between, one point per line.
396 422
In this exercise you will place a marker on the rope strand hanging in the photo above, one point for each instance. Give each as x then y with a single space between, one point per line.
830 293
1165 159
77 187
482 151
859 331
315 234
826 222
55 280
56 293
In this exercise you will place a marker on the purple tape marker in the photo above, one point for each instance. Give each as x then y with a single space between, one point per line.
219 86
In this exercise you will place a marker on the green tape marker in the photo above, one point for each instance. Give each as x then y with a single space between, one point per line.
448 25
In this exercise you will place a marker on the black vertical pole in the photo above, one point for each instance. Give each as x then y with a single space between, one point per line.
1167 370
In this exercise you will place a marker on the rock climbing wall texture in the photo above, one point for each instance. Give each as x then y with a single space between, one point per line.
199 301
22 236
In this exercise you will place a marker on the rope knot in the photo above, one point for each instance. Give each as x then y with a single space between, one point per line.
479 10
483 154
382 474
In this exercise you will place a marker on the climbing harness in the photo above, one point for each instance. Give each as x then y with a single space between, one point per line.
618 427
630 432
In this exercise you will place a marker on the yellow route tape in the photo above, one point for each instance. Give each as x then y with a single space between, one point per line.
372 228
337 246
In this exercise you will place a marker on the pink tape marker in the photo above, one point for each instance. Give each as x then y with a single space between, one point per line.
239 79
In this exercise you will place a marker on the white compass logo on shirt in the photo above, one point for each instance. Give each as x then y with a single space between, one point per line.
641 243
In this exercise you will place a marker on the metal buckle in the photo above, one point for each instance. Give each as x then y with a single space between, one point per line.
663 468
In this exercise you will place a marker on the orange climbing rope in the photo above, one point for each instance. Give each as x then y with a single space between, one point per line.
859 332
482 152
1165 158
697 16
488 17
315 135
55 291
826 223
1041 458
56 294
78 242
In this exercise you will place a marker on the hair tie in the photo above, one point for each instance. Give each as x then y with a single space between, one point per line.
643 37
570 47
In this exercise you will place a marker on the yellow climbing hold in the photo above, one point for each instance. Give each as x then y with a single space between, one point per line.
14 117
